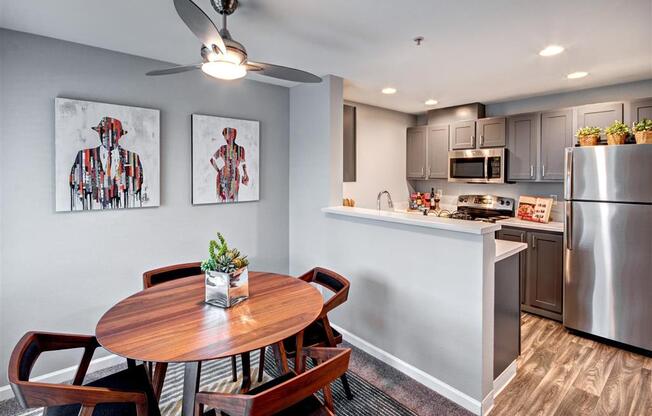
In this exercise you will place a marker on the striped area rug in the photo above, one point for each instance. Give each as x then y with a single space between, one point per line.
216 376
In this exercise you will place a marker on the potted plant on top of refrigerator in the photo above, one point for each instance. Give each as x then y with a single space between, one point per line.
227 277
643 131
617 133
588 136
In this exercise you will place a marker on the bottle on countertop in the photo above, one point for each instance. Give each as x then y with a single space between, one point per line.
432 198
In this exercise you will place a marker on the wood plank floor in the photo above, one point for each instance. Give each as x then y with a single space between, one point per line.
561 374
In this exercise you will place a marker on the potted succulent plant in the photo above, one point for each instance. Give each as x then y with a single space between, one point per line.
227 277
617 133
643 131
588 136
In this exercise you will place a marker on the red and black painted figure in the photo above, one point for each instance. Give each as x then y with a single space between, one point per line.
227 161
106 176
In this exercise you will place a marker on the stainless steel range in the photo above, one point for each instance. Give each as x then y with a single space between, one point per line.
487 208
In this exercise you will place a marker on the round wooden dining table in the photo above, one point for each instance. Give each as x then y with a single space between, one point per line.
171 322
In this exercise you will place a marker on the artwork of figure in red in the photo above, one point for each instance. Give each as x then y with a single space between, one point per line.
227 161
106 176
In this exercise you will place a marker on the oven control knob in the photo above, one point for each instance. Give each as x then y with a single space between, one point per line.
508 203
502 202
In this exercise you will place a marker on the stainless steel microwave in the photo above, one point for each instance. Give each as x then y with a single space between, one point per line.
477 166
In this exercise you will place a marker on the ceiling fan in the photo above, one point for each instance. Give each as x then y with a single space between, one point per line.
222 56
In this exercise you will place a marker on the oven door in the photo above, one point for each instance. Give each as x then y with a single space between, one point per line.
477 166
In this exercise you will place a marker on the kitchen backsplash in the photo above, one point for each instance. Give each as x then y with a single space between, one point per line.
510 190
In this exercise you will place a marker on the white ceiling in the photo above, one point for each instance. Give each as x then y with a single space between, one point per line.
482 50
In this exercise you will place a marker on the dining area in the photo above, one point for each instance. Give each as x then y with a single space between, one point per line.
264 343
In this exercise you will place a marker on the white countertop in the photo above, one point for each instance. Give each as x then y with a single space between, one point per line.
551 226
462 226
506 249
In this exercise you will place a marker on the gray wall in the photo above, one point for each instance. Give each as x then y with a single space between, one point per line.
61 271
618 92
316 139
381 155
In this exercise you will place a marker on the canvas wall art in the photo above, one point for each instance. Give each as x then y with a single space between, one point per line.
106 156
225 160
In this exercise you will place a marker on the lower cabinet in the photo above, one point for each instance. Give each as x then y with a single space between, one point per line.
541 268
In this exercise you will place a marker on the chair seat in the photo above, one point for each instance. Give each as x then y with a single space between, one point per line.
314 335
131 379
310 406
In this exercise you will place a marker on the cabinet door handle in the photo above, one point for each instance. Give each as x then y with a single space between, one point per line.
531 171
534 243
482 140
543 171
473 140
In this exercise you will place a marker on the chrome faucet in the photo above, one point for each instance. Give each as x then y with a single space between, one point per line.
390 204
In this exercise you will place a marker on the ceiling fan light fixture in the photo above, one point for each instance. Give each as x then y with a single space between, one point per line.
223 69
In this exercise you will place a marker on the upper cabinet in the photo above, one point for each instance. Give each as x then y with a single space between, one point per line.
491 132
438 151
599 115
462 135
638 110
556 135
416 152
524 133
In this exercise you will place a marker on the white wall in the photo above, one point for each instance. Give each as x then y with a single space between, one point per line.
315 167
380 137
62 271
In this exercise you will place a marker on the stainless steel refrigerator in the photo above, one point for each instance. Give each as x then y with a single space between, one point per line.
608 242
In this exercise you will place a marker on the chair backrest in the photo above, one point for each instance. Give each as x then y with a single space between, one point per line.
332 281
27 351
334 363
168 273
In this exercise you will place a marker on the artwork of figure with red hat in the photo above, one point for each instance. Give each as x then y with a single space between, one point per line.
106 176
227 161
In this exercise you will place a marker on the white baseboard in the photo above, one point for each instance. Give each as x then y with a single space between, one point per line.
421 376
67 374
505 378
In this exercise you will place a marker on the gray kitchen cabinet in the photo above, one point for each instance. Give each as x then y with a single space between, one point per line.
416 152
599 115
462 135
438 151
491 132
541 268
638 110
545 276
556 135
522 141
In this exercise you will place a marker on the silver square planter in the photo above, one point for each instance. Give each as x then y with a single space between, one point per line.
227 289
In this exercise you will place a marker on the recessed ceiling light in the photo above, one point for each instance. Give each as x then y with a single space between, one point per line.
388 90
576 75
551 50
431 102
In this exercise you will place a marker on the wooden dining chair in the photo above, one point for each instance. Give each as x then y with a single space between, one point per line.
320 333
127 392
155 277
288 395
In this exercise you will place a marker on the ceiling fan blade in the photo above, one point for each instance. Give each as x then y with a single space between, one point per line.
282 72
200 24
174 70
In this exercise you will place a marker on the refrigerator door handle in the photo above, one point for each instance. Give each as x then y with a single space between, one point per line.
568 232
568 184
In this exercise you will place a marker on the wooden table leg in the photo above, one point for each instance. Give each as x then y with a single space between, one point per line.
158 378
246 372
298 359
281 357
190 387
